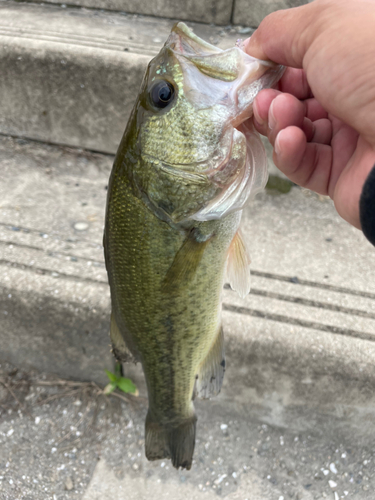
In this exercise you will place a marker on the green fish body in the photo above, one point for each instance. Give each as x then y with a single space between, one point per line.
184 170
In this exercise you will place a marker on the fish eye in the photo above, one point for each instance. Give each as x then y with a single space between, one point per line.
161 93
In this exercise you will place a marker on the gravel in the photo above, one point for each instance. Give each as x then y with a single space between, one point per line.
52 437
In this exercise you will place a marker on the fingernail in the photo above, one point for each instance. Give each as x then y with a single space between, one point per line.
271 117
277 143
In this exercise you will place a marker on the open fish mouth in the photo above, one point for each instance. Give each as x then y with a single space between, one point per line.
229 79
238 75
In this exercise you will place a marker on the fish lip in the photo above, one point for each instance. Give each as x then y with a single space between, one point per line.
184 41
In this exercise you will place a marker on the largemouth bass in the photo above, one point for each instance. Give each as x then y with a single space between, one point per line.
188 162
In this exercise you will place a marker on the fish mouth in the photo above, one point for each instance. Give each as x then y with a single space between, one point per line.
226 65
184 41
233 73
228 80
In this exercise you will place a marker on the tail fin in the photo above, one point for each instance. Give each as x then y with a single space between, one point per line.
174 442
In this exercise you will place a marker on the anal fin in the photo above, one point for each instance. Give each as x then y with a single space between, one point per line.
211 373
120 350
238 266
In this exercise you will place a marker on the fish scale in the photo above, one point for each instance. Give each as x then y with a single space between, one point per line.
179 182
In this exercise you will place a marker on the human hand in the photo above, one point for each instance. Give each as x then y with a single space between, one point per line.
321 117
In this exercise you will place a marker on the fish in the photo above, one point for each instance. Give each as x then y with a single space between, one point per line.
188 162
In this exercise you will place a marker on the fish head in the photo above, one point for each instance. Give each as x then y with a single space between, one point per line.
201 157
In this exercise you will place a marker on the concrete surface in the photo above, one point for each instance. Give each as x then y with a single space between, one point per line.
209 11
75 83
71 76
295 417
63 442
308 324
251 13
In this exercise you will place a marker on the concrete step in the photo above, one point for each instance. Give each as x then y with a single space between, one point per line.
71 76
295 417
308 324
210 11
241 12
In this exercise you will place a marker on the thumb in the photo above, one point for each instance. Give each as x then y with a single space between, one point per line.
285 35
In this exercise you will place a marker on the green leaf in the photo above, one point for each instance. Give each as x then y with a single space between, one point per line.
109 388
112 377
126 385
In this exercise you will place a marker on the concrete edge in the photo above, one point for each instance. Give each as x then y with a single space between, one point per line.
306 367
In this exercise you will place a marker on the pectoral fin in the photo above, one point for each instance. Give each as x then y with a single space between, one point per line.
119 348
238 266
211 373
185 264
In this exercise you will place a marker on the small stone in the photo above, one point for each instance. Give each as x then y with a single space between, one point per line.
220 479
69 484
81 226
332 484
135 466
37 420
333 468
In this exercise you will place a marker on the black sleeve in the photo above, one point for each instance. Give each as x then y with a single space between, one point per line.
367 207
